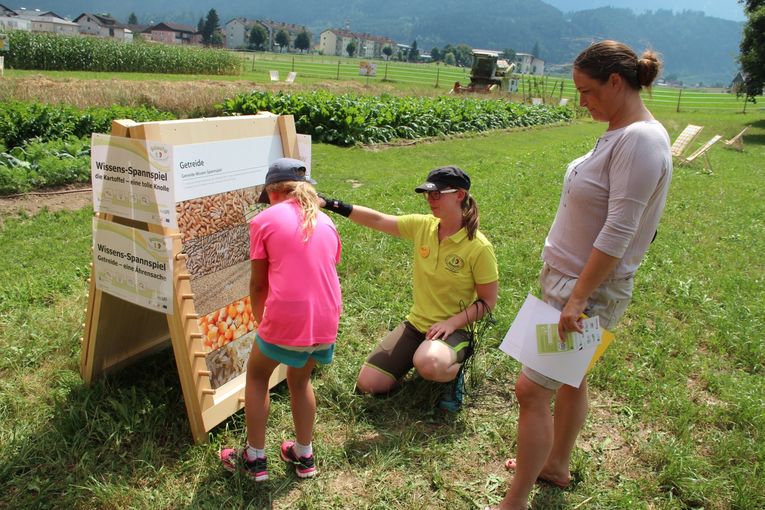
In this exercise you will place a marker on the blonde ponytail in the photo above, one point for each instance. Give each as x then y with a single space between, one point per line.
305 195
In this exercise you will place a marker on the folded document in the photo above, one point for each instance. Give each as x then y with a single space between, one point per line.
533 340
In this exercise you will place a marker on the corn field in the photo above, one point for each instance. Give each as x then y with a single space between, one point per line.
72 53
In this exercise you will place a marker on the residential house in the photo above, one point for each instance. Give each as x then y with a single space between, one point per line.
174 33
737 84
372 45
10 20
6 11
526 63
274 27
237 32
48 21
139 31
102 25
334 41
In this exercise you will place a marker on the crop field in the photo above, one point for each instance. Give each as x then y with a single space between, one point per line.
410 79
550 88
677 419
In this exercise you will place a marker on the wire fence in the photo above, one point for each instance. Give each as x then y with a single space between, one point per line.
437 76
679 99
545 89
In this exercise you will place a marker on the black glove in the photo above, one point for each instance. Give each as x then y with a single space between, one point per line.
336 206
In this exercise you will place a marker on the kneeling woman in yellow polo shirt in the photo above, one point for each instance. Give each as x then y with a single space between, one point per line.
455 283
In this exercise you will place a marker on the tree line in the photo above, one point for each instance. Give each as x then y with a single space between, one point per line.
752 58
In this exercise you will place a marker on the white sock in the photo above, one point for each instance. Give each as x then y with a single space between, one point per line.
254 453
303 450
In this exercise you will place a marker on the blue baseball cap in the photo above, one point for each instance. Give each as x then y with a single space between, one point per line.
284 169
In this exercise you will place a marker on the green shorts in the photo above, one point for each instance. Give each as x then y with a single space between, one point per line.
394 354
296 357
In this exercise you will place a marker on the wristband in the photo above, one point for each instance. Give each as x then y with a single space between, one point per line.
336 206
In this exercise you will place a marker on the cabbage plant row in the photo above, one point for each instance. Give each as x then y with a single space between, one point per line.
348 119
44 145
21 121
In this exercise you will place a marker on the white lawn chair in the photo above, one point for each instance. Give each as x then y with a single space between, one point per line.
689 133
536 100
274 75
702 151
737 142
291 78
563 101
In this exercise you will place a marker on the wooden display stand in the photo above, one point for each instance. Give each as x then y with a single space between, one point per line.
117 333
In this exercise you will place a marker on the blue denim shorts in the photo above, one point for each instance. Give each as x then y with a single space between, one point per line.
296 357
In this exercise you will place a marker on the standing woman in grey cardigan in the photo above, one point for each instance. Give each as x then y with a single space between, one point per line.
612 200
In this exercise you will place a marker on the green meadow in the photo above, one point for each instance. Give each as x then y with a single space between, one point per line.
677 418
319 71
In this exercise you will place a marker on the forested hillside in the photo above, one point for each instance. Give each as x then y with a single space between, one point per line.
725 9
697 47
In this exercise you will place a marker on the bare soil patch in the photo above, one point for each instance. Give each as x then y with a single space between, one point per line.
70 198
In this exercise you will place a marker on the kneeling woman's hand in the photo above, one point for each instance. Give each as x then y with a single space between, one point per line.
440 330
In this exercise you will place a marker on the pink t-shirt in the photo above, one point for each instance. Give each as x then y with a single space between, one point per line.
304 302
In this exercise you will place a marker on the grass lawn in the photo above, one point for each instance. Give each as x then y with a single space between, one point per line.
678 403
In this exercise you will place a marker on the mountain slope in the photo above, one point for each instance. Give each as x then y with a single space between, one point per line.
697 47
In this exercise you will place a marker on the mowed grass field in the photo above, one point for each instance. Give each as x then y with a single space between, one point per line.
404 78
678 402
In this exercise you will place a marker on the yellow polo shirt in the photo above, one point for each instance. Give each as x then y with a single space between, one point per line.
444 274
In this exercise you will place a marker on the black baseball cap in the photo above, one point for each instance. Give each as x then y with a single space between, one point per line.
444 178
284 169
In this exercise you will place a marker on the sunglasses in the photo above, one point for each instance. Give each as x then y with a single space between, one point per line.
436 195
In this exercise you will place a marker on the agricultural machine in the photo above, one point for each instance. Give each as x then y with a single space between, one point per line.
488 74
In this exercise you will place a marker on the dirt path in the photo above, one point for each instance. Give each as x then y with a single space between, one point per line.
69 198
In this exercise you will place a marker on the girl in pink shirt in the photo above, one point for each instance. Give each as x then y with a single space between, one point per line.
295 294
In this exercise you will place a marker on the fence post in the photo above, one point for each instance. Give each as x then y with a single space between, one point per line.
679 95
438 70
544 91
338 69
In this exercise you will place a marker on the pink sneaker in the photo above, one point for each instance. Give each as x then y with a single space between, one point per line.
305 467
234 460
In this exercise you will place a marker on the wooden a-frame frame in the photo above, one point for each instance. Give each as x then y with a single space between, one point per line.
117 332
